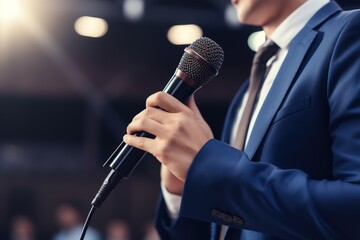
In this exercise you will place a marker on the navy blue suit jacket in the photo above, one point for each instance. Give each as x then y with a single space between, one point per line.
299 176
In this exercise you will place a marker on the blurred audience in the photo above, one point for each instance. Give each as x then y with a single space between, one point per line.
150 233
22 228
117 230
69 218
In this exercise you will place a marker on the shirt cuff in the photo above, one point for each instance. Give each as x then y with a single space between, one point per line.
172 201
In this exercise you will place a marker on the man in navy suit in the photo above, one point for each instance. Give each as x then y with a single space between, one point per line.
299 174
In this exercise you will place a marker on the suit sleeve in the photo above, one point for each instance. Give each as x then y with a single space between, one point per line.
286 202
181 228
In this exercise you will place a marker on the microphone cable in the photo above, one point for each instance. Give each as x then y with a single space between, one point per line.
87 222
106 188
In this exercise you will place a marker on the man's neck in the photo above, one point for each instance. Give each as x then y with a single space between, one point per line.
283 13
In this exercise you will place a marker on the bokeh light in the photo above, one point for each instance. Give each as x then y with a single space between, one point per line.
91 26
255 40
184 34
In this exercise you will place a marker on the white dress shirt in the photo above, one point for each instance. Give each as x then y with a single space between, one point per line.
282 36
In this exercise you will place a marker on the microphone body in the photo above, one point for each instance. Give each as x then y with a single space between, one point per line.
199 64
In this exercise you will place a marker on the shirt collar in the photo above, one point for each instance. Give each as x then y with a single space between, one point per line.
293 24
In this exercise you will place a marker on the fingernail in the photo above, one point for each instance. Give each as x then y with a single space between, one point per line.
125 137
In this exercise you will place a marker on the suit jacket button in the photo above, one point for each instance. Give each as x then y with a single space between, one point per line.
216 214
226 217
237 220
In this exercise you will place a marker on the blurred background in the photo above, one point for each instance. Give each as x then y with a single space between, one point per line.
73 73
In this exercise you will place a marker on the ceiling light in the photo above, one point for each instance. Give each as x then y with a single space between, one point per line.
184 34
91 26
134 9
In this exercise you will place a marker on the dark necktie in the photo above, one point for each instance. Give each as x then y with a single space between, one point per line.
257 76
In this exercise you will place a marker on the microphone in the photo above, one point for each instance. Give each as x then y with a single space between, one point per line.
200 63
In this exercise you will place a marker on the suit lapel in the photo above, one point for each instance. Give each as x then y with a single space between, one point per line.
286 75
282 82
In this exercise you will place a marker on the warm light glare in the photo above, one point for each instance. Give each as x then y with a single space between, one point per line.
91 26
9 10
255 40
184 34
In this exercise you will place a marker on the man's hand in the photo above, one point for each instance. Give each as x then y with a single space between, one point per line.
180 132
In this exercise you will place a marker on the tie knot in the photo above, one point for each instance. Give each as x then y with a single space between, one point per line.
266 52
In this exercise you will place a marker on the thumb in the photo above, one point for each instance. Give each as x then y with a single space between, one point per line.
192 105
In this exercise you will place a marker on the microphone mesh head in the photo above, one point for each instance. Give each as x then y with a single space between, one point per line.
202 71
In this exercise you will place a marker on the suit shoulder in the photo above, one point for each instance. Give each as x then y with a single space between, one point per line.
342 23
351 16
351 24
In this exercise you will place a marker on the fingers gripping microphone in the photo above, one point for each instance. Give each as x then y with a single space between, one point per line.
200 63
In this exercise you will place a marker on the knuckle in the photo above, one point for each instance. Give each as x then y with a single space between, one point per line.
145 113
128 129
154 99
131 126
172 139
157 98
148 101
128 139
137 116
160 94
178 126
142 122
163 149
150 111
141 142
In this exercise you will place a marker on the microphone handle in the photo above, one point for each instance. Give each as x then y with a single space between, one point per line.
125 158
